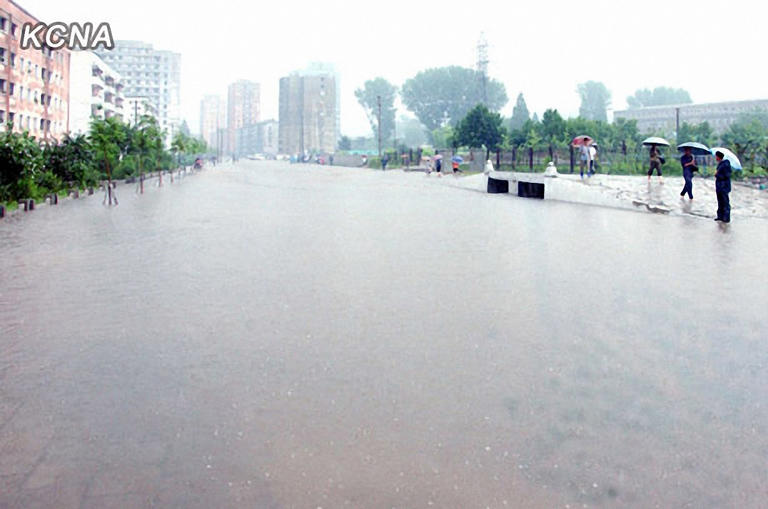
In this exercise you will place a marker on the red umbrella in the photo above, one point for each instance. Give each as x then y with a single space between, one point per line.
579 140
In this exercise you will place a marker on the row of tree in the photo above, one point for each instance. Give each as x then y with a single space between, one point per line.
482 128
111 150
442 97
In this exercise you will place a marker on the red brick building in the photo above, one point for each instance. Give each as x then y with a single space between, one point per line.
34 84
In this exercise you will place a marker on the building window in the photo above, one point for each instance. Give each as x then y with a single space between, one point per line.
2 117
3 24
42 124
11 87
14 29
13 60
2 86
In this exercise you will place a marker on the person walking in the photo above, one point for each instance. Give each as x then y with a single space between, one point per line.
689 166
384 161
438 165
592 159
586 157
655 163
723 187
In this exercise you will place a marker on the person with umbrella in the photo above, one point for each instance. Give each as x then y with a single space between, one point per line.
583 142
723 187
689 166
655 157
456 161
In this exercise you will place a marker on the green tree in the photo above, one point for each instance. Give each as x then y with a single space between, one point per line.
108 139
72 161
595 99
443 96
368 97
345 143
552 127
411 131
659 96
21 162
701 133
442 137
481 128
520 114
747 137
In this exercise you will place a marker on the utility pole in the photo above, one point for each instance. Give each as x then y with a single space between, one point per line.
378 102
482 65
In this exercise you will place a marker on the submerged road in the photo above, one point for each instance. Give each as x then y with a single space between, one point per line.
277 336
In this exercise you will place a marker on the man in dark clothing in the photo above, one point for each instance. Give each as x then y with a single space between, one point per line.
723 187
688 168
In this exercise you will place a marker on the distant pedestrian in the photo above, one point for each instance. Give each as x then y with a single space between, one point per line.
384 161
592 159
656 161
439 165
689 166
586 157
723 187
455 166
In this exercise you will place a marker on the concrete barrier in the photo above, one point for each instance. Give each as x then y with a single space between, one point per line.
528 185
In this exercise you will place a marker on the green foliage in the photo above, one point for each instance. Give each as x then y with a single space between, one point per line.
368 97
748 138
701 133
595 99
520 114
443 96
481 128
552 127
411 132
659 96
442 137
72 161
345 143
21 160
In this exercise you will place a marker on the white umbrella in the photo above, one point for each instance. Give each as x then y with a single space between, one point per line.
730 156
655 140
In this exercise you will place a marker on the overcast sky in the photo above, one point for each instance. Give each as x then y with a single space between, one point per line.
541 48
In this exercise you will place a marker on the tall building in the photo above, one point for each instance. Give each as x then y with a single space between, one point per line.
664 118
154 74
212 118
243 109
34 84
307 114
95 91
325 68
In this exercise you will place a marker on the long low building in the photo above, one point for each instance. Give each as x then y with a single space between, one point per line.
719 115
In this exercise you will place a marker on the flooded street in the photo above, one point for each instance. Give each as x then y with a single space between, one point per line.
284 336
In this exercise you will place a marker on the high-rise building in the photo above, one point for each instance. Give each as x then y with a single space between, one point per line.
325 68
95 91
212 118
154 74
243 109
34 84
307 114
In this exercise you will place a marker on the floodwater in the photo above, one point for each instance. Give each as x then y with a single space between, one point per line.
277 336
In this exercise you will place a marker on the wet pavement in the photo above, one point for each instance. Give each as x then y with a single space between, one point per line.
280 336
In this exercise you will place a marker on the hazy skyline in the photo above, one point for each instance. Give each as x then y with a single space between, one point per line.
542 49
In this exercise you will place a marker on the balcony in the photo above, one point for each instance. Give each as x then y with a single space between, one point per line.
96 90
